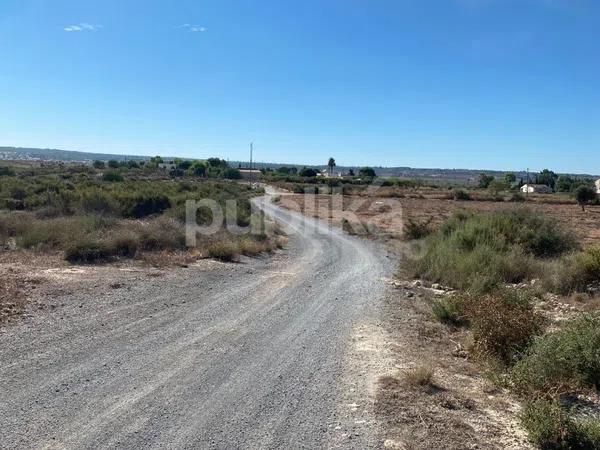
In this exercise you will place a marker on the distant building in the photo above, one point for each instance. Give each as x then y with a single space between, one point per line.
250 174
536 189
325 174
166 166
597 186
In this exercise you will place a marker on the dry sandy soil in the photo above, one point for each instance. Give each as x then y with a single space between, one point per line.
461 408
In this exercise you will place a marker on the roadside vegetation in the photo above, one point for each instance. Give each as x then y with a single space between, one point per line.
501 266
117 210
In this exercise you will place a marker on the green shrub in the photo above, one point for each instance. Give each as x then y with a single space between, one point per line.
547 425
550 427
481 251
112 176
11 204
161 234
88 252
251 247
6 171
588 434
503 324
562 361
481 269
53 233
460 194
232 174
414 229
517 197
575 272
124 245
224 250
144 204
448 312
97 201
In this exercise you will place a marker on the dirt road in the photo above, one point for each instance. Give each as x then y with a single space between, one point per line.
246 356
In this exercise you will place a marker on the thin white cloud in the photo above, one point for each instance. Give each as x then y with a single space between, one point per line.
83 27
193 28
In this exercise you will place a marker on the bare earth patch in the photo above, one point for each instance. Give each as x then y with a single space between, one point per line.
32 283
431 208
458 407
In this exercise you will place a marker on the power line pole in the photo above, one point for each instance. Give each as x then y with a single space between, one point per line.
251 154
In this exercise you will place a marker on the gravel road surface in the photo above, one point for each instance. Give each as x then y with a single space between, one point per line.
247 355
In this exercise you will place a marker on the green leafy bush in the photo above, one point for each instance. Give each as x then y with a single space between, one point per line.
550 427
547 425
562 361
112 176
575 272
481 251
448 312
88 252
96 200
517 197
144 204
459 194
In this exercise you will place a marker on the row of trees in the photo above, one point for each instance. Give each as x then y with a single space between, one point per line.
559 183
582 188
308 172
211 168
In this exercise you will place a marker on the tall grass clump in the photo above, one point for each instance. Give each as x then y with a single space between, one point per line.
88 252
575 272
480 251
224 250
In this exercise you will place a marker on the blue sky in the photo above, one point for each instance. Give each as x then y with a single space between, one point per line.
495 84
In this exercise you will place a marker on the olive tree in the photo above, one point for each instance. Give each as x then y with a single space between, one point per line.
585 195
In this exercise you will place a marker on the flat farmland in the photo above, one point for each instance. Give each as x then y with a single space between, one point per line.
435 208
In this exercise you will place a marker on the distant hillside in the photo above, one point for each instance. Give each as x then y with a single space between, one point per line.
442 175
50 154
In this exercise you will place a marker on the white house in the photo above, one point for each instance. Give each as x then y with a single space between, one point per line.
597 186
536 189
250 174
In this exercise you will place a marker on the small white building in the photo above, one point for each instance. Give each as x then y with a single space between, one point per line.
325 174
167 166
250 174
536 189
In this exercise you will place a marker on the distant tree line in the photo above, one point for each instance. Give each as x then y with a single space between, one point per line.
210 168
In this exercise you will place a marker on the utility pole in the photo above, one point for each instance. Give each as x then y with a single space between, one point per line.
251 154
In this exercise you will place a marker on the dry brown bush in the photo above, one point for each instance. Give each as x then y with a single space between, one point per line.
421 376
12 299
